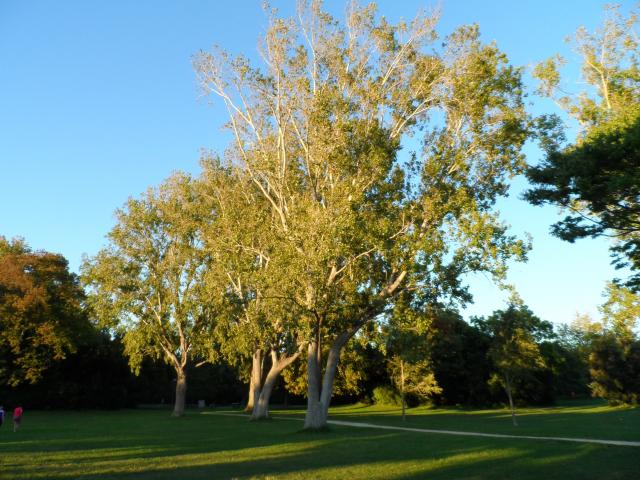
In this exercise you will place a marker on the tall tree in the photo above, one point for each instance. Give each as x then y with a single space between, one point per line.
148 284
515 335
597 178
318 131
42 311
257 327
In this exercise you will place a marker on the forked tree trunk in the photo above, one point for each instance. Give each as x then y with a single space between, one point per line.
261 406
319 397
508 389
181 393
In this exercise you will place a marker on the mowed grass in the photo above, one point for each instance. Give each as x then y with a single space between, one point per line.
581 419
146 444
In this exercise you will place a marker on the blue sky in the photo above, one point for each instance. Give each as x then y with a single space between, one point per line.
98 101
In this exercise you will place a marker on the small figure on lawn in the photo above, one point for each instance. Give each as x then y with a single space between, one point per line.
1 415
17 418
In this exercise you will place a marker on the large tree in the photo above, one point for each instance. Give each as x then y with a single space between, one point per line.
597 178
42 312
149 283
319 131
257 328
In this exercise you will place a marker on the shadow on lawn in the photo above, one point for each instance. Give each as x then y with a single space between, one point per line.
231 447
475 461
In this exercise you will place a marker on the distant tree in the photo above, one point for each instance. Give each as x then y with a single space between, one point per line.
514 350
614 364
568 355
597 179
614 358
409 364
41 311
458 353
148 284
621 312
580 332
413 377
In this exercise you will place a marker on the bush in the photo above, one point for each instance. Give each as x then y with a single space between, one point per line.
386 395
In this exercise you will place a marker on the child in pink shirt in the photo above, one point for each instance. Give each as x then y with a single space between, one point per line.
17 418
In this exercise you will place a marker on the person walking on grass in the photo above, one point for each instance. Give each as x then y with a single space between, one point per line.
1 415
17 418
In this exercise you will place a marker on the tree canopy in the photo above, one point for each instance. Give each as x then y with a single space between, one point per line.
149 283
318 131
515 334
42 311
596 179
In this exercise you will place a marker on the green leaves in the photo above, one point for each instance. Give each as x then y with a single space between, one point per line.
42 312
515 335
621 312
149 283
597 179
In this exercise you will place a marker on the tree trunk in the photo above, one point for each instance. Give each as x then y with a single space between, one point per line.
250 402
508 389
255 381
318 400
181 393
402 389
313 416
261 407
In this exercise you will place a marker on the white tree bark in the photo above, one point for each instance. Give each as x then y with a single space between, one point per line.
313 416
319 398
255 381
181 393
262 393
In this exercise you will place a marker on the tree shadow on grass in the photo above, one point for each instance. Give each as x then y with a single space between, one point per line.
235 448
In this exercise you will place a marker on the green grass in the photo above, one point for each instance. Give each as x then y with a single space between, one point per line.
152 445
586 419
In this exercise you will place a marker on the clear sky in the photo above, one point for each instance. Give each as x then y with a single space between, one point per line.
98 102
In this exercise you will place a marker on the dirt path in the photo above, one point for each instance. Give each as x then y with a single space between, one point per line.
460 433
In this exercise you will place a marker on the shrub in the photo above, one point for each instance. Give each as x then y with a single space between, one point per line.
386 395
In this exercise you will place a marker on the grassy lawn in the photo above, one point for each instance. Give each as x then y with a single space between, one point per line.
586 419
151 445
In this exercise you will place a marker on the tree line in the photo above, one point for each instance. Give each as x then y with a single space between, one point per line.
316 247
510 357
